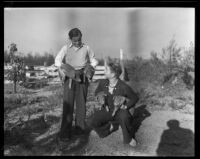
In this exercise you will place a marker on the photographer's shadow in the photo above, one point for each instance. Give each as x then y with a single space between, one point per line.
176 141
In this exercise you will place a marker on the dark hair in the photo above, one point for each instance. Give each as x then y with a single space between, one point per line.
74 33
115 68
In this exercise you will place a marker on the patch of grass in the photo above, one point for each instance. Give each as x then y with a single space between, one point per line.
54 100
54 87
35 83
8 89
182 98
173 105
18 100
14 101
177 105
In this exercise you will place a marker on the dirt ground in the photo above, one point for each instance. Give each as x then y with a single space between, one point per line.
155 136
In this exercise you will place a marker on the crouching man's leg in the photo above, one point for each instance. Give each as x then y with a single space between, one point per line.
100 122
125 120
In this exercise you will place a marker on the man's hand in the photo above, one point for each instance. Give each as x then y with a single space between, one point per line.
123 107
119 100
105 107
114 111
119 103
61 74
89 71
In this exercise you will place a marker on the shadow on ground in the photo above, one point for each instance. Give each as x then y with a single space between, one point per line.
24 134
176 141
51 145
77 144
37 137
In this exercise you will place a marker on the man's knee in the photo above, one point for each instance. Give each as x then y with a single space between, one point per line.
123 115
98 118
93 120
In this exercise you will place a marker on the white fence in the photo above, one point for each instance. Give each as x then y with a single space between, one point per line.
99 73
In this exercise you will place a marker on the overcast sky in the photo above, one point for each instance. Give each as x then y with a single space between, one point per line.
137 31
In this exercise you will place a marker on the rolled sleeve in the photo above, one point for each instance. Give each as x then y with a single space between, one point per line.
93 60
60 56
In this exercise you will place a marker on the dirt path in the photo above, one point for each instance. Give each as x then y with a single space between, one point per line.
148 136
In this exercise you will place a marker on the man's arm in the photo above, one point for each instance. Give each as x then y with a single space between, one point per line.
93 61
132 96
101 94
58 61
60 56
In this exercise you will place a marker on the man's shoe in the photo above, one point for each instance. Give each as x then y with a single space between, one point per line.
133 143
79 131
93 133
63 140
111 127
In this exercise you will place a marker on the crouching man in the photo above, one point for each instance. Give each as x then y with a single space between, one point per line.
116 98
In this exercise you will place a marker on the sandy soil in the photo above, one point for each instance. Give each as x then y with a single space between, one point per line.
148 136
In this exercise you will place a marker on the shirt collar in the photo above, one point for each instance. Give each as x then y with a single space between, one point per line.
70 45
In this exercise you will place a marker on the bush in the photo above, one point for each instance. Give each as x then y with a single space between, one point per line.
161 67
188 80
146 70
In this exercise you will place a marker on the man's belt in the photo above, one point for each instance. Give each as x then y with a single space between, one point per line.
72 74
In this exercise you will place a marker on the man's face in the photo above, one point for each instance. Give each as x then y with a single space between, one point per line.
108 73
76 41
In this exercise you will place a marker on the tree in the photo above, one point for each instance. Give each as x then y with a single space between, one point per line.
188 59
171 54
6 57
154 56
17 72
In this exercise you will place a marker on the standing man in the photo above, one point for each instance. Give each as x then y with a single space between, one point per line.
78 55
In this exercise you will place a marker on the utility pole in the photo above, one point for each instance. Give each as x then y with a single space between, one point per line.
122 76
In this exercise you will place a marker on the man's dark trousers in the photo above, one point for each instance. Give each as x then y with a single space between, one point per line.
101 120
78 94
